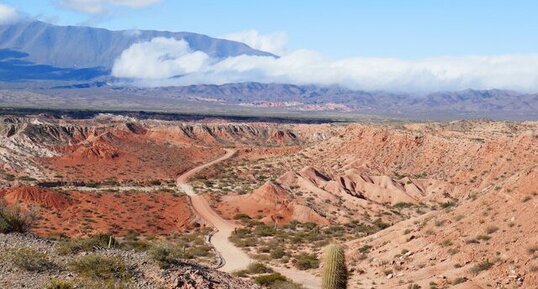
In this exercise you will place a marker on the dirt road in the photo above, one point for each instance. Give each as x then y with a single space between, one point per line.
233 257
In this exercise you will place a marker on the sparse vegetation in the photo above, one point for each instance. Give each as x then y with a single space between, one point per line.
15 219
30 259
306 261
73 246
55 283
101 268
482 266
269 280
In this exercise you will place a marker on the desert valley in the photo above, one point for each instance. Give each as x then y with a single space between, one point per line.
231 144
415 205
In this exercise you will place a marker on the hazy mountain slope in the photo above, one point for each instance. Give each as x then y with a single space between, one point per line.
259 97
14 67
78 47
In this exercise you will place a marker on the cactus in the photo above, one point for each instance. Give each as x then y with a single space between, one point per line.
334 268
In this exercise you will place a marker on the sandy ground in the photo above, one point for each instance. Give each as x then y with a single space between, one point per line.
234 258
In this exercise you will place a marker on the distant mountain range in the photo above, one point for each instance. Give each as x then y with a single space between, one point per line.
37 50
275 99
44 65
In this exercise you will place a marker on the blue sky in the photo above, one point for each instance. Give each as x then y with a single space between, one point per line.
408 29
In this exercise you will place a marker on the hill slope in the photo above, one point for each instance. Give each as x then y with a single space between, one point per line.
83 47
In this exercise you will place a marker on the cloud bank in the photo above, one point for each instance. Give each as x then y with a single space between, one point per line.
274 42
102 6
161 61
160 58
8 14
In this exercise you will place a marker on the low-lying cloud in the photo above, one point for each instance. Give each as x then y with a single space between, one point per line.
102 6
163 61
274 42
160 58
8 14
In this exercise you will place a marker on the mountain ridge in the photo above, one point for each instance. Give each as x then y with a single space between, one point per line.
88 47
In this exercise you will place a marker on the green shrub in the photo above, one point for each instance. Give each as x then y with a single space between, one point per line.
59 284
307 261
90 244
30 259
258 268
264 230
334 268
99 267
482 266
269 279
285 285
168 255
365 249
16 220
278 253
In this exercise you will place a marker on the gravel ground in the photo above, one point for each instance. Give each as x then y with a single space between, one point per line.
145 273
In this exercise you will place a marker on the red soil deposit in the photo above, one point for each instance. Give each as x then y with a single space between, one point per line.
78 214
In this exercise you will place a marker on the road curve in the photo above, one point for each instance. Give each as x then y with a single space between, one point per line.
234 258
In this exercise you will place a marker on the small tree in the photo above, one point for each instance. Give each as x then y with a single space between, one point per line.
334 268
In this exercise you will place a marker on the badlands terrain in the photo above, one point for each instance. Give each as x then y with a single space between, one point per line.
220 203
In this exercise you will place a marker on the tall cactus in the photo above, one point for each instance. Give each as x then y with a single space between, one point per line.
334 268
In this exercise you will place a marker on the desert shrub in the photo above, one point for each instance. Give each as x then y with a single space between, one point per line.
269 279
413 286
365 249
285 285
491 229
30 259
15 220
258 268
447 205
403 205
90 244
168 255
459 280
483 237
278 253
59 284
482 266
380 224
155 182
306 261
263 230
446 243
100 267
242 217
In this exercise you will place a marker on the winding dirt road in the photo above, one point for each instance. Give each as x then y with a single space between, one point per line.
233 258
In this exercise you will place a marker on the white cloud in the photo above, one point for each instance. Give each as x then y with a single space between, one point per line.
274 42
157 61
8 14
102 6
159 58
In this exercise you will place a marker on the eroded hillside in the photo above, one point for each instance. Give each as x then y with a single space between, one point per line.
433 204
